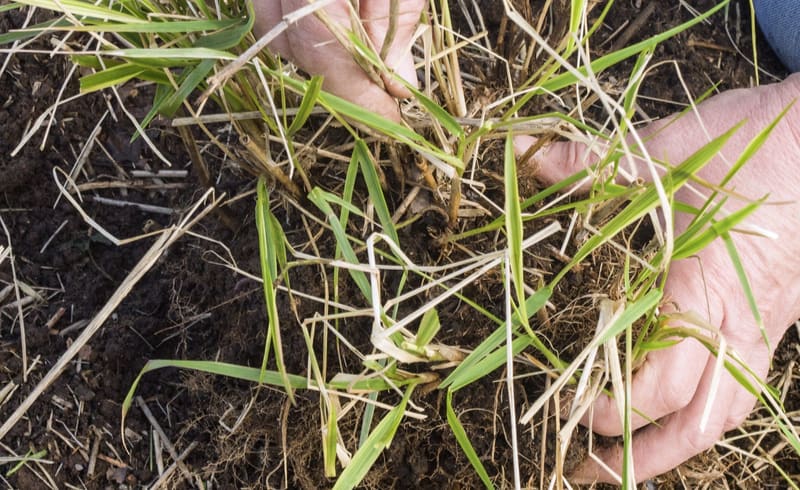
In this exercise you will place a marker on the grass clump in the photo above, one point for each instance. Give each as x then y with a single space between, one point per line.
199 57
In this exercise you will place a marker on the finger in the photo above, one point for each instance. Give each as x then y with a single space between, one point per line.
316 50
377 17
658 449
313 48
757 357
554 162
668 379
268 15
665 383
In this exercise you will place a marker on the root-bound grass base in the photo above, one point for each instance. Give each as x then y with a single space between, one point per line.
193 306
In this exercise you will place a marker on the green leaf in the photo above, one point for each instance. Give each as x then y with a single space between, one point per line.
745 282
10 6
155 27
111 77
378 440
467 373
321 199
367 164
163 55
463 441
717 229
513 214
428 328
79 8
188 83
437 112
245 373
307 105
267 247
648 199
32 31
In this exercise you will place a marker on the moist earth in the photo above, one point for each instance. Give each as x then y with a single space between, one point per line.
191 306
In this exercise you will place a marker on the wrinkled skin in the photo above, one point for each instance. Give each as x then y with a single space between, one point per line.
672 386
310 45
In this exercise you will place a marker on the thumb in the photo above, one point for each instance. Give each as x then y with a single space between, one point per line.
555 161
378 16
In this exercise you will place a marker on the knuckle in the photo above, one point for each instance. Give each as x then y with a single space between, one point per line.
573 153
674 393
607 425
698 441
735 420
739 414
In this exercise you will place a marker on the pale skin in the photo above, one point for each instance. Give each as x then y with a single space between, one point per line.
673 385
310 45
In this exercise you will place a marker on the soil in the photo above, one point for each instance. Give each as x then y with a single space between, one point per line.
192 307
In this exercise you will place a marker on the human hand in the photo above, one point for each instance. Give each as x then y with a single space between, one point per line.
673 385
310 45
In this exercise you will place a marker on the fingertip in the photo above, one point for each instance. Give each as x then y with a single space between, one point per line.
405 70
590 471
551 163
376 16
266 18
603 418
378 101
522 143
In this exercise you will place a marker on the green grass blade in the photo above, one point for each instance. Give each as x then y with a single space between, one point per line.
30 456
463 441
717 229
464 373
245 373
755 144
226 38
615 57
489 363
114 76
306 105
513 219
745 282
81 8
648 199
10 6
428 328
633 311
378 440
349 188
165 55
267 248
437 112
398 132
367 164
331 430
189 82
558 82
320 199
32 31
158 27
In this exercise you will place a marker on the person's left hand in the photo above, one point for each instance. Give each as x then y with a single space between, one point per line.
674 385
310 45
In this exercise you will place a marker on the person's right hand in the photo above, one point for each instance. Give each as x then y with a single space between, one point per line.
672 385
310 45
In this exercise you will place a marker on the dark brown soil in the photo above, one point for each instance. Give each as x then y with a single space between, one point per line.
191 307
